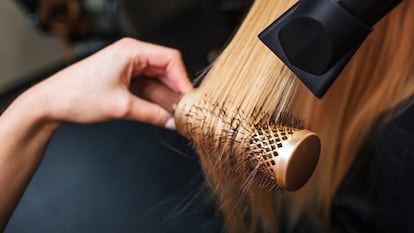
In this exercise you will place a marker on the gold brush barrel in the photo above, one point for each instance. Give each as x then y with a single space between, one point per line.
284 156
275 156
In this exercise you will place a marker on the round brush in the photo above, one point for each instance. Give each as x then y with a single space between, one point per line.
281 154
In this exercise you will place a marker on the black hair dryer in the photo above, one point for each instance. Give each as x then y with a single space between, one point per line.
317 38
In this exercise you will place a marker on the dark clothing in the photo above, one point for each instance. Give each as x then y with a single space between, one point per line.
377 195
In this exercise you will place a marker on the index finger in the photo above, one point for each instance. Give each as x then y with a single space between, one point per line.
165 63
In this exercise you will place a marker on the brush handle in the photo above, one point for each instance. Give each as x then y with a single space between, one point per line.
156 92
178 104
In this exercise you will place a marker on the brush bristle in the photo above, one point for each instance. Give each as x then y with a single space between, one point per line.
248 148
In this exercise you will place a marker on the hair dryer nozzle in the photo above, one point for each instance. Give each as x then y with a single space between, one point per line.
317 38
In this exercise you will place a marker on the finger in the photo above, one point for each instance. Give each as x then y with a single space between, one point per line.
141 110
176 77
166 62
153 72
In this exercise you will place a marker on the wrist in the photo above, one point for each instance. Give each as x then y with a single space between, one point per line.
31 110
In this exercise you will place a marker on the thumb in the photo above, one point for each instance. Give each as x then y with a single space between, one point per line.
145 111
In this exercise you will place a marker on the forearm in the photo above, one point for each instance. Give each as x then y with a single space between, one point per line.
24 134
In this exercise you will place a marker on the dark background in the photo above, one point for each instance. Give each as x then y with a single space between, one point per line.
125 176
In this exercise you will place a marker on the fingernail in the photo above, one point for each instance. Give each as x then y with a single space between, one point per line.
170 124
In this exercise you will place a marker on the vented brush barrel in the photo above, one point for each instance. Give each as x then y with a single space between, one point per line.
284 156
298 159
270 155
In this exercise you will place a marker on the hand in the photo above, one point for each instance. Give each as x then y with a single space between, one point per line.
97 88
92 90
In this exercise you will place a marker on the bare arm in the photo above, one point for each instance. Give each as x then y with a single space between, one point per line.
93 90
24 134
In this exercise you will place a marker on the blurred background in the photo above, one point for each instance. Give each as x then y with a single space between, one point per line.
116 176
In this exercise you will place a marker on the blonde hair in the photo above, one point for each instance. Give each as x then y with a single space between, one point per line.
379 76
249 83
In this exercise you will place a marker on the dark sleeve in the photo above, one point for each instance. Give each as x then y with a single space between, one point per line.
377 195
